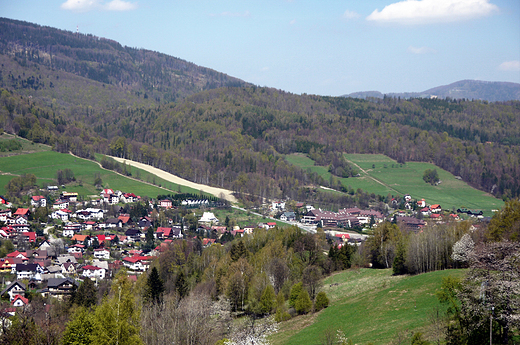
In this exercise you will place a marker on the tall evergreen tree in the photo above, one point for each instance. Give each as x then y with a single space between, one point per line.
154 287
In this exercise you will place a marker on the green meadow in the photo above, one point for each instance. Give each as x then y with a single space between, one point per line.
45 164
451 193
382 175
369 305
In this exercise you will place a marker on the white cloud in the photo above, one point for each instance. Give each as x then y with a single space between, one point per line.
421 50
510 66
91 5
232 14
430 11
119 5
292 22
350 14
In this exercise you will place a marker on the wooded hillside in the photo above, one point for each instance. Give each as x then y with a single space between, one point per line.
234 136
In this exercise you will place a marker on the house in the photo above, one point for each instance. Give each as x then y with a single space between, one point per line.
29 236
68 268
59 287
278 205
436 208
125 219
145 222
70 197
52 188
344 237
44 245
28 271
133 235
61 214
102 253
206 242
66 258
15 288
89 214
93 272
76 248
248 229
208 218
22 212
288 217
19 301
436 216
173 232
113 223
38 201
70 229
6 264
425 211
60 205
129 197
5 214
81 239
271 225
3 201
165 203
137 263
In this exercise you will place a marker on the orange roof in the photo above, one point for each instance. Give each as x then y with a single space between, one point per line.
80 238
436 206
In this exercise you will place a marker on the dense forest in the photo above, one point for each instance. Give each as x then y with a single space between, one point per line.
136 104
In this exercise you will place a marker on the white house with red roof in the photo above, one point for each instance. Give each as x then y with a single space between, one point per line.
19 301
137 262
38 201
93 272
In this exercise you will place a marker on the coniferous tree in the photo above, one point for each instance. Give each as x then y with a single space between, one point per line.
154 287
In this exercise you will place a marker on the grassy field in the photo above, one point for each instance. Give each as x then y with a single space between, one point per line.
243 218
45 164
407 179
369 306
27 146
382 175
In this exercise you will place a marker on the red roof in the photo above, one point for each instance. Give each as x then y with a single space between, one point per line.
37 197
92 268
21 212
31 235
343 235
136 258
124 219
18 297
14 254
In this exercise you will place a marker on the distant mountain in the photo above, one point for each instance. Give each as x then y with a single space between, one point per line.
73 68
467 89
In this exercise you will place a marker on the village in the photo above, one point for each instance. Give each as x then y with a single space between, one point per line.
95 239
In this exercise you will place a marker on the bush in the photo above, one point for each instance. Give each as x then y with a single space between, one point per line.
322 301
295 292
303 304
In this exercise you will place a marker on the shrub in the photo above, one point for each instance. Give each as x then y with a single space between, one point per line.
322 301
295 292
303 304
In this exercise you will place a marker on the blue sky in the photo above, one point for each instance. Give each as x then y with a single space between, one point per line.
315 47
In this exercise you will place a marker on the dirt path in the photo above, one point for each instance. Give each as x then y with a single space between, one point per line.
373 178
218 192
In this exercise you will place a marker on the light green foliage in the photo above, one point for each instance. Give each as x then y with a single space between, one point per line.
116 321
506 223
303 303
80 328
295 292
268 300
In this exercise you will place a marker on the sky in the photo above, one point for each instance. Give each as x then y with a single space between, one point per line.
324 47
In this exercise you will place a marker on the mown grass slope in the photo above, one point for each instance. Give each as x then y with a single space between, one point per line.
369 306
45 164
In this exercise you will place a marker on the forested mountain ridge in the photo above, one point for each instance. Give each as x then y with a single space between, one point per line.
38 61
235 137
463 89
